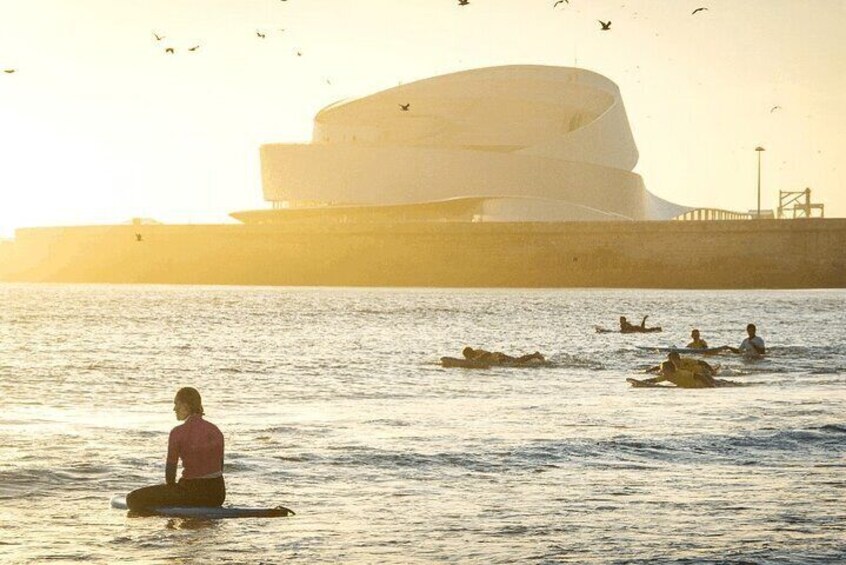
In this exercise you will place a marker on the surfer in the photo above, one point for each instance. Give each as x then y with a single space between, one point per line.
682 378
497 357
628 328
752 345
698 342
696 366
199 444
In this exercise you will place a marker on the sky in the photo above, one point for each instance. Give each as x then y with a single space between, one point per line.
98 124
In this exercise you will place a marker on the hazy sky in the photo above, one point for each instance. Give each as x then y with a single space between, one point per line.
98 124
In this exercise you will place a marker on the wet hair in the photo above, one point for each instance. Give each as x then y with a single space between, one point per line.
668 367
695 331
751 327
191 397
467 351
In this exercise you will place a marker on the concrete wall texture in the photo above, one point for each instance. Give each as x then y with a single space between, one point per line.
806 253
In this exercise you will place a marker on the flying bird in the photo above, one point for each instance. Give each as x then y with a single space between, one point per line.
697 10
463 2
260 34
194 48
9 71
157 36
405 107
774 108
606 26
170 50
560 2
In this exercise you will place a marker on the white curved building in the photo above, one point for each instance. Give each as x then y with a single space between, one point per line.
511 143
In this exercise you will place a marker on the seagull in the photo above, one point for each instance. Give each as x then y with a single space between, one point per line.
606 26
697 10
170 50
138 237
774 108
560 2
9 71
405 107
463 2
260 34
194 48
299 53
157 36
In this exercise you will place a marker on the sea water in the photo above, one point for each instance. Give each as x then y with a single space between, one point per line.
332 402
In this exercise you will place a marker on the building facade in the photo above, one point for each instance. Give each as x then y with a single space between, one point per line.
513 143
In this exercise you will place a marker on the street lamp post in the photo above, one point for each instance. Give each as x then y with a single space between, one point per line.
759 150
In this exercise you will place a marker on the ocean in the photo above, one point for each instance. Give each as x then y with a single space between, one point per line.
332 402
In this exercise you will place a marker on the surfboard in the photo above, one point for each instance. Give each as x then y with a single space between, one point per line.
471 364
208 512
643 384
601 330
689 350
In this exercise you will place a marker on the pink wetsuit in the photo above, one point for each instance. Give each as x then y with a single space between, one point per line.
200 446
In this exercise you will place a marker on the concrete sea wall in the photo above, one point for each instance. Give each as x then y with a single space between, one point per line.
802 253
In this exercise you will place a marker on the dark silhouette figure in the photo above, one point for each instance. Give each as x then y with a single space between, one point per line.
697 10
405 107
606 26
138 237
463 2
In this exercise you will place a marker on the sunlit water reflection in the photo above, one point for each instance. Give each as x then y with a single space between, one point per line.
332 403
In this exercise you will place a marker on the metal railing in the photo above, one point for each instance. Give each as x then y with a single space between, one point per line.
700 214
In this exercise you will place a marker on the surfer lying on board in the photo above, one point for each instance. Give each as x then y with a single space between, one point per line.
682 378
199 444
627 328
497 357
696 366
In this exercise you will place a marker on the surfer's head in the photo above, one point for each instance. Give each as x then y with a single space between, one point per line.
674 357
189 397
468 352
751 329
667 368
694 334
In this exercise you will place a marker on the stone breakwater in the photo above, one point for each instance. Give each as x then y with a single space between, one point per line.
802 253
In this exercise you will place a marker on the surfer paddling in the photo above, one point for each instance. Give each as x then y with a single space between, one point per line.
199 444
628 328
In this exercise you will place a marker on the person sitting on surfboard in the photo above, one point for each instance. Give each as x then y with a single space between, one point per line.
698 342
627 328
497 357
752 345
199 444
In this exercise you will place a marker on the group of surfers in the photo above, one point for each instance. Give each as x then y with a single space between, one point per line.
198 444
686 372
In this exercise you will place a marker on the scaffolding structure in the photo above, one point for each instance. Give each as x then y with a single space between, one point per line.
799 209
